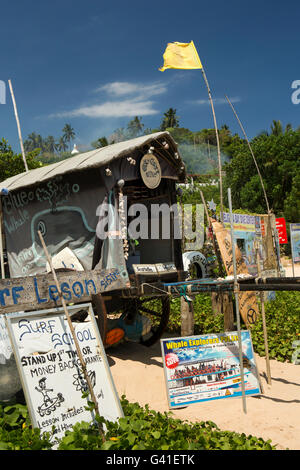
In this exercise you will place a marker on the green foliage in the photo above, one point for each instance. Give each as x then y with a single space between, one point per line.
16 433
139 429
145 429
205 321
282 319
12 164
283 326
278 158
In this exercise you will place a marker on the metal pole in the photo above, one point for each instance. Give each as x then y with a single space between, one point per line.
237 302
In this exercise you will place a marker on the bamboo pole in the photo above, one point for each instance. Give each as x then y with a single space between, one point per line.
236 293
262 295
18 124
218 142
80 356
1 242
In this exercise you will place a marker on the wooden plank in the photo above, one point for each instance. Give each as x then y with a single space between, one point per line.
247 300
40 291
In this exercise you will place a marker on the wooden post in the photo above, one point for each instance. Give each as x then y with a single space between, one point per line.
187 317
227 306
18 124
80 356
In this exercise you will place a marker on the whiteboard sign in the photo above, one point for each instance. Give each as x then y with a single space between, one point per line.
51 372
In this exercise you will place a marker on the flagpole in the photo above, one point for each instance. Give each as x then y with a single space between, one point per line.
218 142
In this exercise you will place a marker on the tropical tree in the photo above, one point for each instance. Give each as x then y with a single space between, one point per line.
170 119
61 145
50 144
12 164
33 141
101 142
68 134
135 127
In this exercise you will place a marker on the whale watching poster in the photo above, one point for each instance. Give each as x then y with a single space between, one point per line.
207 367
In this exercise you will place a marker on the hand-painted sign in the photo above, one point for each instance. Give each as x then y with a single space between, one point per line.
51 372
205 368
40 291
150 170
247 300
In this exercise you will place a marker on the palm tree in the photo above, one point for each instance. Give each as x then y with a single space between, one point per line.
135 127
276 128
170 119
50 144
61 145
33 142
68 134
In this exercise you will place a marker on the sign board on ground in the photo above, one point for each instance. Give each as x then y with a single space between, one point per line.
207 367
51 372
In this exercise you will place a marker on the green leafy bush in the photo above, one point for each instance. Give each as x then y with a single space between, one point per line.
145 429
139 429
282 319
283 326
16 432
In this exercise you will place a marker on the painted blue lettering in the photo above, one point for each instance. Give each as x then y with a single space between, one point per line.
78 294
40 301
65 288
15 294
53 293
90 281
3 292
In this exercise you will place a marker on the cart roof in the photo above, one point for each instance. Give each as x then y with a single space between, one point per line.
92 159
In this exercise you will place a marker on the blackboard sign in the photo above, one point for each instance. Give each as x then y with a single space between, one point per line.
51 372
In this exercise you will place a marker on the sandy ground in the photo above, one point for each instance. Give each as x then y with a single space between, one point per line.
275 414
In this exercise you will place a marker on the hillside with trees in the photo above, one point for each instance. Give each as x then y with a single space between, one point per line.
277 152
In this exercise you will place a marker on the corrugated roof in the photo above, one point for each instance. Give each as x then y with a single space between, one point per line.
82 161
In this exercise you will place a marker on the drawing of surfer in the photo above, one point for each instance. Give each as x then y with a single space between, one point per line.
44 391
49 404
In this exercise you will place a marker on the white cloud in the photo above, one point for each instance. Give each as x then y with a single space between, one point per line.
126 108
218 101
134 100
126 88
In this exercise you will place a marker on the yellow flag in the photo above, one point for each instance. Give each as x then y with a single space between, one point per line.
180 55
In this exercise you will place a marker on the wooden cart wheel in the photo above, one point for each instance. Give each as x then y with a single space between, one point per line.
158 313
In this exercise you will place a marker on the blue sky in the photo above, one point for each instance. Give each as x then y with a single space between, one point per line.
94 64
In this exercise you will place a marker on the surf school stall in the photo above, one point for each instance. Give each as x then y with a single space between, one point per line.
80 206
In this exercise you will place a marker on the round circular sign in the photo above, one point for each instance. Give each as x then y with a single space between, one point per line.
172 360
150 170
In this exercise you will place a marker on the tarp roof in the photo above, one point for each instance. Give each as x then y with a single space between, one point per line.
83 161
